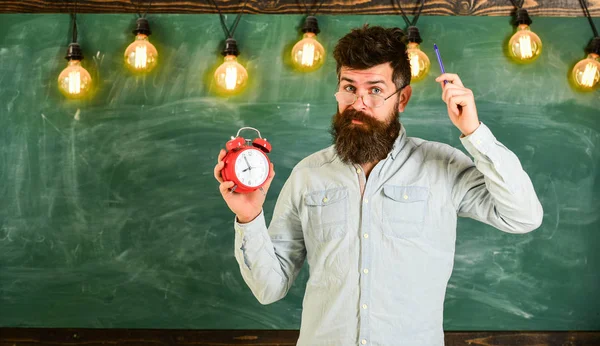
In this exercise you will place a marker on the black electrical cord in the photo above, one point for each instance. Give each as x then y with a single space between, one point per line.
74 23
229 32
413 32
74 50
147 8
589 17
138 7
414 21
514 2
522 17
308 11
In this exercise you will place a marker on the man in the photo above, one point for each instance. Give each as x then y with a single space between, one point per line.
375 214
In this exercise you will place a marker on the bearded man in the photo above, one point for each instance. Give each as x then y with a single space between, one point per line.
375 214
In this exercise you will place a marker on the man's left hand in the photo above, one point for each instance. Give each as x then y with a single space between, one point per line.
460 102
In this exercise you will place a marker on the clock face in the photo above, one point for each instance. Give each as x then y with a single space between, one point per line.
252 167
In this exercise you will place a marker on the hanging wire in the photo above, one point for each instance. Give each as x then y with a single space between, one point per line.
74 20
308 11
147 8
74 23
138 7
414 21
229 32
514 2
589 17
305 7
318 8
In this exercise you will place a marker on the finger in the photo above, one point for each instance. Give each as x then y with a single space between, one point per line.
221 155
442 82
451 78
462 100
225 186
451 90
217 172
269 179
455 101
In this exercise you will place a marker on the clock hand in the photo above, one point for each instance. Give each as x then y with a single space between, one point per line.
248 163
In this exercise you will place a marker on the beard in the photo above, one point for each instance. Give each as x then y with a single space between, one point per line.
363 143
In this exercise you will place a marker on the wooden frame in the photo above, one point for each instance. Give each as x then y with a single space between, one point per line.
159 337
548 8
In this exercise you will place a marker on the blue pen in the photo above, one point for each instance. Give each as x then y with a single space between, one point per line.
437 53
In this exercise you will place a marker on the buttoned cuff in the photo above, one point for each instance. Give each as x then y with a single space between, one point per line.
251 227
480 141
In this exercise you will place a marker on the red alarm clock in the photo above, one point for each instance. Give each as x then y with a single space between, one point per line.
246 162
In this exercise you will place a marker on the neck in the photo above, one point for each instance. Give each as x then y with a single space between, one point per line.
368 167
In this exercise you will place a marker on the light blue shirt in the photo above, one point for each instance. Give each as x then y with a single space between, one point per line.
381 250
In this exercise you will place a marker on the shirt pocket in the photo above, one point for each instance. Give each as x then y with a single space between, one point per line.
327 213
404 209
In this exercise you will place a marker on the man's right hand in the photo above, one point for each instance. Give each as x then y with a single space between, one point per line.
246 206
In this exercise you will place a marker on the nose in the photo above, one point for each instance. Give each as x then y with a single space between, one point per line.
359 104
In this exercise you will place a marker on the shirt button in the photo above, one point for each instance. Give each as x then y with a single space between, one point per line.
325 199
366 271
364 342
405 196
366 201
366 235
365 306
478 141
358 170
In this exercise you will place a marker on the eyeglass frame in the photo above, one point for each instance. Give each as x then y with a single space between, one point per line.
362 96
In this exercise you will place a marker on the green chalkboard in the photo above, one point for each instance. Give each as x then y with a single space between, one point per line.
110 216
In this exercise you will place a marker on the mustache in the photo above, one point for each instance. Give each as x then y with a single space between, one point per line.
350 114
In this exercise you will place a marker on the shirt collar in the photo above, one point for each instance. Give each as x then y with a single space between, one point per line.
399 143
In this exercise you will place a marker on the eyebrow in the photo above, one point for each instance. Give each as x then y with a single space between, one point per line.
371 82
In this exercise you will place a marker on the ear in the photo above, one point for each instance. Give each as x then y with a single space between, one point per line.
404 97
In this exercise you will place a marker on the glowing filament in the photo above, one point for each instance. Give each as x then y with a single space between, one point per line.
414 65
589 75
308 54
525 47
230 77
74 82
140 56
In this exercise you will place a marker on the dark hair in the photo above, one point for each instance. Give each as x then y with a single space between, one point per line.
366 47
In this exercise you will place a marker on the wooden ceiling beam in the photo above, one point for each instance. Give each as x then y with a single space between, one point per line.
546 8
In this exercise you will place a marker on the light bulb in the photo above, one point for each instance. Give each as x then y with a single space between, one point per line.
524 45
74 81
231 77
141 55
419 62
308 54
586 72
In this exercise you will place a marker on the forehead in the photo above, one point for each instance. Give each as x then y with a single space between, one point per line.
379 72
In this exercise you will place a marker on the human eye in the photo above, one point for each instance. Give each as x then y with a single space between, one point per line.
349 88
376 90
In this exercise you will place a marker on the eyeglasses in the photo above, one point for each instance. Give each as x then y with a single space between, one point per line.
370 100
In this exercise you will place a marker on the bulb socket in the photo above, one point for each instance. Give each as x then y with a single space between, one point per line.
142 27
74 52
522 17
593 46
311 25
230 47
413 34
